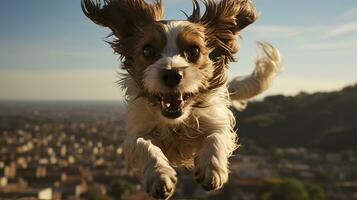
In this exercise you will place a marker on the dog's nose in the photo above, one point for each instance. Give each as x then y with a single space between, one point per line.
171 78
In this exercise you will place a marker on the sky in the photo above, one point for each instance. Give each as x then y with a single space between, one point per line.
50 51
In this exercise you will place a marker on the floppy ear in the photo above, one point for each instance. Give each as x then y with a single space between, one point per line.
123 17
223 21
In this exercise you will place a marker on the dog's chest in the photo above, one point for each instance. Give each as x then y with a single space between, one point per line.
179 144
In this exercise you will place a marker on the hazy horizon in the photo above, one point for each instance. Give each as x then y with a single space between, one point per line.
122 100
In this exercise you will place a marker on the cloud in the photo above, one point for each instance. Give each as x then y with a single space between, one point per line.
88 84
278 30
349 14
286 31
320 37
342 29
331 45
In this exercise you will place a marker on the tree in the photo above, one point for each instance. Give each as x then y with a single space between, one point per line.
315 192
122 188
290 189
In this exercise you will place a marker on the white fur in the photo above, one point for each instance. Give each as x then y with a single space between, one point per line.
172 30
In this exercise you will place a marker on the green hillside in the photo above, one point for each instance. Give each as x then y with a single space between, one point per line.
320 120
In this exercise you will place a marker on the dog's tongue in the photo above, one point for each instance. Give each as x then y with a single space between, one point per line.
173 102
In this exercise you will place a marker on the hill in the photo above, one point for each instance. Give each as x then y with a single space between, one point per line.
321 120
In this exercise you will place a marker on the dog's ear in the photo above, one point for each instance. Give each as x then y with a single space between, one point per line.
223 21
123 17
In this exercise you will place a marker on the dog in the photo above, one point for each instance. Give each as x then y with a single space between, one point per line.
175 84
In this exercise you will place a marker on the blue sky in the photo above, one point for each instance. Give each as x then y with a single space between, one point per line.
49 50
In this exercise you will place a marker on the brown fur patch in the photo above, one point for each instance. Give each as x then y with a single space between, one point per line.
193 35
124 16
222 21
153 34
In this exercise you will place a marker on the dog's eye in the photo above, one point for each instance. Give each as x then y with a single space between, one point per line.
149 51
193 52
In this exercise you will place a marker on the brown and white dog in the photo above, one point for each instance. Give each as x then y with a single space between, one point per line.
176 86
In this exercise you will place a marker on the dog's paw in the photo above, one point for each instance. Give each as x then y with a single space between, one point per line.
160 183
211 174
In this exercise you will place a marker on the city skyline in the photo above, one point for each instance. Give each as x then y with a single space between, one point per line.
50 51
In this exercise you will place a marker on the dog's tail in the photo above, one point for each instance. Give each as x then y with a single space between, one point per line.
267 67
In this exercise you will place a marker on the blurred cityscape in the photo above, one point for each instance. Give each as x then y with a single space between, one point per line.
72 150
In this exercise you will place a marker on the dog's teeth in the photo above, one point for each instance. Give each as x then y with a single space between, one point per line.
180 97
165 104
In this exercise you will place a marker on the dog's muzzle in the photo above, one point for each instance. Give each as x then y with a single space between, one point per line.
171 102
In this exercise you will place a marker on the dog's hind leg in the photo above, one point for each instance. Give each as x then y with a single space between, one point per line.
159 178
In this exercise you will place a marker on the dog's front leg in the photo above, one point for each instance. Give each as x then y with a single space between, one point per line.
211 162
159 178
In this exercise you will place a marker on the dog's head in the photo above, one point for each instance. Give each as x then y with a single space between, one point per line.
174 63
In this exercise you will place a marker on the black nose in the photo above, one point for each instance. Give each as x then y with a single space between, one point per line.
171 78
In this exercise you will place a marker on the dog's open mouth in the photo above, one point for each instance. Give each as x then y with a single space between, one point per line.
172 104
